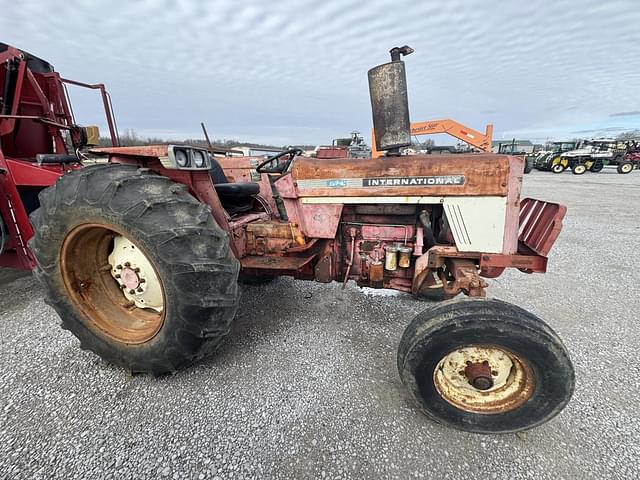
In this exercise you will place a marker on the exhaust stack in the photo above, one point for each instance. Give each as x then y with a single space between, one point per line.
390 103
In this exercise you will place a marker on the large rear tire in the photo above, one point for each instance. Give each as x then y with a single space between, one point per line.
485 366
597 166
135 266
625 167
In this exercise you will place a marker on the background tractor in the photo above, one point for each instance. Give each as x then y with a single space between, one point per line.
550 159
630 160
593 155
140 253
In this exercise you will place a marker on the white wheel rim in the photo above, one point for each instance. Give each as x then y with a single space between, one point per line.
512 378
135 274
626 168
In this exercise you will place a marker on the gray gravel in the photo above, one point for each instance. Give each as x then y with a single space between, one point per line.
306 385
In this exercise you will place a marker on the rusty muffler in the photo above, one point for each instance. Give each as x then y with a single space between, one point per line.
390 103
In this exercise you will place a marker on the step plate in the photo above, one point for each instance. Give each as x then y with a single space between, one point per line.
275 263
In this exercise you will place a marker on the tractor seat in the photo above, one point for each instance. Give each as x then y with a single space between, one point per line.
237 190
235 197
230 190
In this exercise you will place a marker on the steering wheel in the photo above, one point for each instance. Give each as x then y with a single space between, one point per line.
280 167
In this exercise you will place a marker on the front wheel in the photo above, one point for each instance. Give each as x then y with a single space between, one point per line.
558 168
579 168
135 266
485 366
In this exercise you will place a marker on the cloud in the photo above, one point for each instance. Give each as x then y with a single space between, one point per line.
592 131
634 113
260 69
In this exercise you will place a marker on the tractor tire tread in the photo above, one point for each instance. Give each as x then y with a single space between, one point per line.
176 229
422 333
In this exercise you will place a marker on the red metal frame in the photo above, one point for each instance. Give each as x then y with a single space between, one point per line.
34 123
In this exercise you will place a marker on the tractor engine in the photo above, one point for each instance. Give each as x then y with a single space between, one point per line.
381 242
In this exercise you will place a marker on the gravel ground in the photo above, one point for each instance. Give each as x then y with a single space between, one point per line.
306 385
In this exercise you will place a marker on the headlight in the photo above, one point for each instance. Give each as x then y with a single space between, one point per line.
182 158
186 157
198 159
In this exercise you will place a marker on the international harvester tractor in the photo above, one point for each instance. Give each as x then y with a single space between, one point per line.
139 249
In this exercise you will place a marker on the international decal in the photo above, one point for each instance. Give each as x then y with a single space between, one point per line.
384 182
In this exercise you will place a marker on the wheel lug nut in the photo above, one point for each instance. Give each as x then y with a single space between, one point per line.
142 280
139 289
117 275
137 270
118 267
132 291
127 264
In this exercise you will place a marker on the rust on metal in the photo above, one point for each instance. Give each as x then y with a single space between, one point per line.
540 224
138 151
276 263
390 105
465 277
479 374
103 304
484 379
484 175
323 269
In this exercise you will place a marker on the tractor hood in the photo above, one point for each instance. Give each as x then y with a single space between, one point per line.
579 152
138 151
410 175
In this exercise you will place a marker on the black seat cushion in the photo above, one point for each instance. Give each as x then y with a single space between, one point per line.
235 197
237 190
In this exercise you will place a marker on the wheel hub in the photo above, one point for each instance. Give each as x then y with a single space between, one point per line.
483 379
479 375
135 275
130 278
112 283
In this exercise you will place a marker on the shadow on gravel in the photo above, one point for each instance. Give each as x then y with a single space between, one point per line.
18 289
263 313
8 275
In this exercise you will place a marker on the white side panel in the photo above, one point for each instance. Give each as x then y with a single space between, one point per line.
477 223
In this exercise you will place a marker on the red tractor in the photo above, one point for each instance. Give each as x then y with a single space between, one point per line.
140 253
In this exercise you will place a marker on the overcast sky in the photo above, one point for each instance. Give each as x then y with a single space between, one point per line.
287 72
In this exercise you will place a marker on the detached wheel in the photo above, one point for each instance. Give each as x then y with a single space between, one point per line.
485 366
579 169
625 167
136 267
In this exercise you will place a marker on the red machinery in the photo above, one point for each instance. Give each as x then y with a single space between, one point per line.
141 253
37 137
